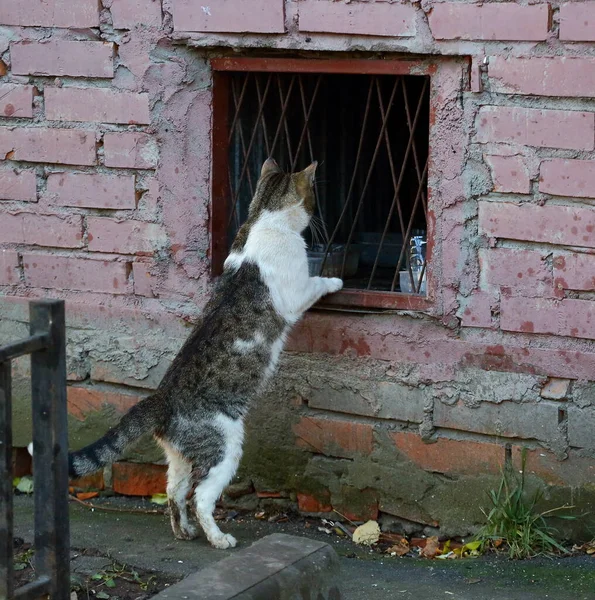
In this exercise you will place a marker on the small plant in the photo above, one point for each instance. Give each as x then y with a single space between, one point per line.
513 521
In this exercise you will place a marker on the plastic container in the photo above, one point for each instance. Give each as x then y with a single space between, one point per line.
405 282
334 260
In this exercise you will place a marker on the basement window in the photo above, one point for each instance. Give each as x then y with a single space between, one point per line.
367 124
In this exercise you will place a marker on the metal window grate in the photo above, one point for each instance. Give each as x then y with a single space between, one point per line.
370 135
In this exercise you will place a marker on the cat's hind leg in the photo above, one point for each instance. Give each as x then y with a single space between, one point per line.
179 482
211 487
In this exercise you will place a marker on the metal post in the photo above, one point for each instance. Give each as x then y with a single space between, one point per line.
6 548
50 451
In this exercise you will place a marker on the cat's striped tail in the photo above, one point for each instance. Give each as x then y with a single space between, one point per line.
144 417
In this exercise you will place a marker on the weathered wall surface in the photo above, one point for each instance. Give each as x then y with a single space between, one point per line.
105 169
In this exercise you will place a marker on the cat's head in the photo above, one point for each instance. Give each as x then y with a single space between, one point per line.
289 192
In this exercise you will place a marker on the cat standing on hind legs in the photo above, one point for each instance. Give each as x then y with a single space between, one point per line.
197 413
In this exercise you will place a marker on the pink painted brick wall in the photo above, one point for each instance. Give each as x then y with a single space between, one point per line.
42 230
75 59
92 190
16 100
509 174
574 178
9 263
130 150
574 271
50 13
96 105
128 14
124 237
502 21
576 22
18 185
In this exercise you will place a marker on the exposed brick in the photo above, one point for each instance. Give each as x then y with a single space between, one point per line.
96 104
581 427
569 129
355 504
575 178
21 462
9 264
523 420
556 76
523 272
311 504
568 317
85 400
139 479
130 150
506 21
18 185
92 190
16 100
124 237
478 310
93 481
573 471
39 144
462 457
50 13
334 437
509 174
71 273
549 224
382 19
574 272
577 22
42 230
128 14
254 16
142 279
555 389
74 59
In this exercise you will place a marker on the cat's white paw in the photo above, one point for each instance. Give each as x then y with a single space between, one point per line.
334 284
223 541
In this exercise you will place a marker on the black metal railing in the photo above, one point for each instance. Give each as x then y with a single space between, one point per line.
47 346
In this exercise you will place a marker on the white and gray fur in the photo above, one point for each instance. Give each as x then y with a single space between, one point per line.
197 413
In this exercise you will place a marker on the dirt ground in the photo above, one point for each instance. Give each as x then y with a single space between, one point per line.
107 543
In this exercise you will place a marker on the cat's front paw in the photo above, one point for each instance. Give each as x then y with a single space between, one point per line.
334 284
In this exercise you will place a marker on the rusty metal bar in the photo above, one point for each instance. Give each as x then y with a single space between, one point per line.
240 131
50 448
22 347
262 118
284 105
6 508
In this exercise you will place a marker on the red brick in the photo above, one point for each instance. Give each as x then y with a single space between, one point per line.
139 479
16 100
334 437
254 16
142 279
96 104
85 400
311 504
357 19
74 59
9 264
478 310
355 504
573 471
509 174
18 185
42 230
124 237
523 272
462 457
21 462
50 13
575 272
555 388
39 144
575 178
130 150
577 22
549 224
568 129
92 190
505 21
567 317
555 76
128 14
72 273
94 481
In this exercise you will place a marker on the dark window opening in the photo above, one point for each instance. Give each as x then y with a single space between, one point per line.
369 134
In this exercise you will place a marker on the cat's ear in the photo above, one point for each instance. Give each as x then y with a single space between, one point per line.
269 166
310 173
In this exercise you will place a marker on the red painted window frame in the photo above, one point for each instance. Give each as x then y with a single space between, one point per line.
347 298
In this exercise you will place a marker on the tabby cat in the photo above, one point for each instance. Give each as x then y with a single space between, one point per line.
197 413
